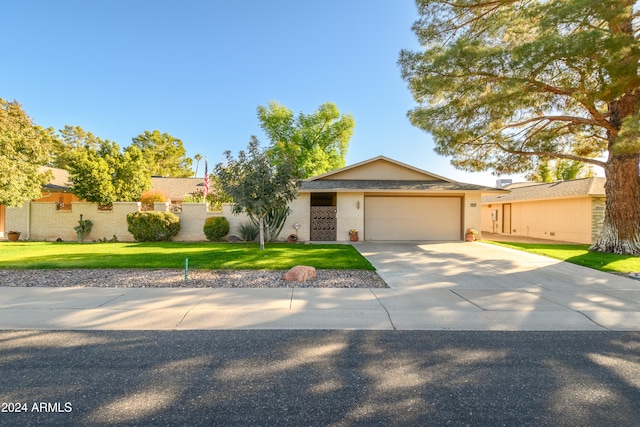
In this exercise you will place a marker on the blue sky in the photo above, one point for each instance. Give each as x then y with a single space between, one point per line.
198 69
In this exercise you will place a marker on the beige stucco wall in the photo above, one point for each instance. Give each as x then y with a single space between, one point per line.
350 215
471 212
568 220
301 214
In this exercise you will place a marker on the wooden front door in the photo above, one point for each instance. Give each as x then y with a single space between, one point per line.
323 223
506 218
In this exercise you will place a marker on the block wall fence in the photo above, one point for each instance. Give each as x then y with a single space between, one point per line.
42 221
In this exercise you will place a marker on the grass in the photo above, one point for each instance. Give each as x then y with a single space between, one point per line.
579 254
216 256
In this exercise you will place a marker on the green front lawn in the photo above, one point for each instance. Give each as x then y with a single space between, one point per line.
215 256
579 254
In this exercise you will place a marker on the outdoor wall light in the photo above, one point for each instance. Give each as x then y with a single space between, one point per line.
358 204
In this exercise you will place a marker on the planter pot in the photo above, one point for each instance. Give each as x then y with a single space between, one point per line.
353 237
13 237
470 238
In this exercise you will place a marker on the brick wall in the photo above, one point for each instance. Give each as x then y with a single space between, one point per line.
42 221
597 216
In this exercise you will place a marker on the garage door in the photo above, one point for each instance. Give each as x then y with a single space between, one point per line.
412 218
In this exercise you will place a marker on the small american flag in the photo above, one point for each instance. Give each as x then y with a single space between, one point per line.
206 178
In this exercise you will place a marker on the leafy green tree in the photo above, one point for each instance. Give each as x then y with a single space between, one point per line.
502 84
127 169
89 176
164 154
108 174
256 185
24 147
318 141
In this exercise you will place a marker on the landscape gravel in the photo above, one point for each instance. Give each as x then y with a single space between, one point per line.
168 278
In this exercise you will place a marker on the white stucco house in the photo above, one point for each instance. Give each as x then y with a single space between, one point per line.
386 200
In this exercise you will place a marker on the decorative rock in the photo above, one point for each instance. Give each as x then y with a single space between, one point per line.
300 273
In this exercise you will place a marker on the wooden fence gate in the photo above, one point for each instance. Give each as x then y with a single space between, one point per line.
323 223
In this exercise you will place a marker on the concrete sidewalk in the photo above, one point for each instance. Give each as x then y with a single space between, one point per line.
434 286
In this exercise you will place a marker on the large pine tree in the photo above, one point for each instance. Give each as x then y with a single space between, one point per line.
501 84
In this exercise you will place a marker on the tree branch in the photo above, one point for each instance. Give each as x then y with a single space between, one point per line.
570 119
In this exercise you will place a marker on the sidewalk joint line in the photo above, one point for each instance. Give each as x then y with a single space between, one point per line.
111 300
467 300
602 326
385 309
191 308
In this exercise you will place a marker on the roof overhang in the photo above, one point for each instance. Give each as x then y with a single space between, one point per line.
393 186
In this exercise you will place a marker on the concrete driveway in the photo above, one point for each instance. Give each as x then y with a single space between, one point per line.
486 287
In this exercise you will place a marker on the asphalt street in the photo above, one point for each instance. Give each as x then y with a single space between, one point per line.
319 378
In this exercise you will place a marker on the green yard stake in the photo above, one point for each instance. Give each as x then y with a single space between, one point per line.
186 270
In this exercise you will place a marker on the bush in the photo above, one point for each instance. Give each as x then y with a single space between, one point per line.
249 231
153 226
216 227
150 197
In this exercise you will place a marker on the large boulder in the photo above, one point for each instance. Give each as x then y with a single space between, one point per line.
300 273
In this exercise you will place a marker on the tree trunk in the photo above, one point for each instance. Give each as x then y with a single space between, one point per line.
261 222
621 229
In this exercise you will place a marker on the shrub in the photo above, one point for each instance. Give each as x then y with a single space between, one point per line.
216 227
249 231
193 198
153 226
150 197
83 228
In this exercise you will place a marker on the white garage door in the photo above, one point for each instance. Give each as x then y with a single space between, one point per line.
412 218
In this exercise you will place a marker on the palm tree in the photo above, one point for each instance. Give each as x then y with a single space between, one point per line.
197 158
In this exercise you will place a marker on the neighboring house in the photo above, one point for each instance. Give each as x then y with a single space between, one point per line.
57 190
570 211
386 200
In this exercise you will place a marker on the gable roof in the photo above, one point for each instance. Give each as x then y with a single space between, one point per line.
385 174
586 187
377 165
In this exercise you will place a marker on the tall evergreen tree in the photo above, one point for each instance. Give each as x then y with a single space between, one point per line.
502 84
